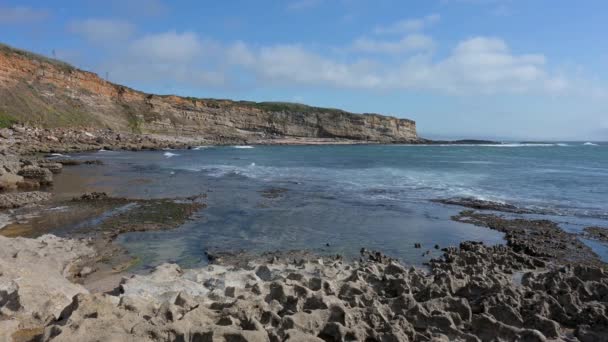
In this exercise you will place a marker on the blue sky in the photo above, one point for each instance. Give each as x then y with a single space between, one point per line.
503 69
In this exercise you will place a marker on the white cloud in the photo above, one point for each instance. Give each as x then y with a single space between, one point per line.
102 30
22 15
478 65
409 43
168 47
409 25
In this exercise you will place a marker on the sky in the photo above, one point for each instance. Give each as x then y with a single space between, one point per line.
495 69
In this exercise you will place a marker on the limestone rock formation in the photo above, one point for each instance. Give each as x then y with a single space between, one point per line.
34 289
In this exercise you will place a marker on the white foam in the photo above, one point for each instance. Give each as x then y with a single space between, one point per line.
61 208
562 144
197 148
242 146
59 155
484 145
5 220
589 144
169 154
477 162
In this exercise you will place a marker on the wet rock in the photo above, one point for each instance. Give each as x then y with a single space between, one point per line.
53 167
264 273
42 175
478 204
20 199
597 233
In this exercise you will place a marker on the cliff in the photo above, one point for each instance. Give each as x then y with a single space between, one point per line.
49 93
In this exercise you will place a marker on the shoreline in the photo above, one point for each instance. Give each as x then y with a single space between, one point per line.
76 289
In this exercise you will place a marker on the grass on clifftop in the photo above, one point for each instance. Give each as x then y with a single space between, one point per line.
6 121
34 56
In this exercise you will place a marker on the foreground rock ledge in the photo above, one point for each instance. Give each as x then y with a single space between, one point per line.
473 293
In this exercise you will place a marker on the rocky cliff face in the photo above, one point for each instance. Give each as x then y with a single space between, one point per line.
46 92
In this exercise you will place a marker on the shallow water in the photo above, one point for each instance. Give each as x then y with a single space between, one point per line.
293 197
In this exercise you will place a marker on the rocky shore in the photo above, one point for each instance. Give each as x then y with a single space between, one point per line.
543 285
471 293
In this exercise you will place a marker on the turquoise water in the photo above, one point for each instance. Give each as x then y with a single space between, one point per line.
337 199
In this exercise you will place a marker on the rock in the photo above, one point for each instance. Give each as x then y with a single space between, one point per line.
466 295
42 175
6 133
53 167
9 181
264 273
19 199
85 271
33 286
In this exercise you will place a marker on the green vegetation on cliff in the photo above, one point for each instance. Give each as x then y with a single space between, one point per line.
6 120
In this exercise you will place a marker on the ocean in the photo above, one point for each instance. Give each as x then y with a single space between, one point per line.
338 199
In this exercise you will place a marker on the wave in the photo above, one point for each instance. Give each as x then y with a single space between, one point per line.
490 145
242 146
197 148
589 144
382 184
169 154
60 155
478 162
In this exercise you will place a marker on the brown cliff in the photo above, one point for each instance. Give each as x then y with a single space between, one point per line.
46 92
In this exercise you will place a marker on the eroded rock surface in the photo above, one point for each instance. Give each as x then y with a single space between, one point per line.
19 199
34 289
468 295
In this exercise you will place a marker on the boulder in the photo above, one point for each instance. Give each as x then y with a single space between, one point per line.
9 181
42 175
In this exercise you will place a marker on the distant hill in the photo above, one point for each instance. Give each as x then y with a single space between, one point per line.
45 92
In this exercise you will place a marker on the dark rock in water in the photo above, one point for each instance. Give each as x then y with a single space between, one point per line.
596 233
417 245
273 193
478 204
542 239
42 175
75 162
93 196
53 167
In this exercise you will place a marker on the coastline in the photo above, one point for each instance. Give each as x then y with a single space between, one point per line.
472 292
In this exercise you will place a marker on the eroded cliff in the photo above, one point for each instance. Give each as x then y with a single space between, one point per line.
46 92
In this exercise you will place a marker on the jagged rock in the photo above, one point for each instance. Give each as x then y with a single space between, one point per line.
33 284
467 295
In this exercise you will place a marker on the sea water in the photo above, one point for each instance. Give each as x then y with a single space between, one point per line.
338 199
